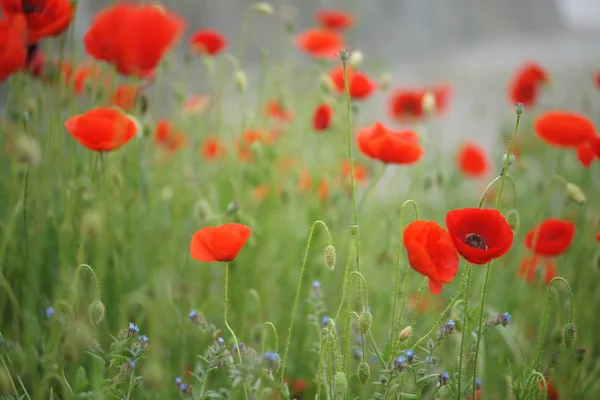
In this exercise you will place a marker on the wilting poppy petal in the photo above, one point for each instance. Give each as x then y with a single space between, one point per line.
472 160
322 117
585 154
320 43
431 253
552 237
383 144
479 234
334 19
102 129
525 84
208 41
564 128
219 243
13 52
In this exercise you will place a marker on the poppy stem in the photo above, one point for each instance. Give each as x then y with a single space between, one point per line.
322 347
373 183
543 380
546 315
76 282
464 327
298 287
344 56
496 180
226 304
488 268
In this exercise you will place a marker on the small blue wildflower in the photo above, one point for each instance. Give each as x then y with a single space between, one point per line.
132 329
220 340
183 387
50 312
400 363
325 320
508 317
358 339
178 381
131 364
444 378
316 285
358 354
193 315
500 319
410 355
241 347
271 356
448 329
143 339
478 383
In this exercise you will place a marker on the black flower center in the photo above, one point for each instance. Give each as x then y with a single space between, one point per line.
31 52
476 241
29 8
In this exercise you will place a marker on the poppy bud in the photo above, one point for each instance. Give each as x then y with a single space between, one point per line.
91 224
428 103
514 220
511 159
232 208
363 372
344 57
27 150
354 229
340 384
569 335
330 257
519 108
405 333
364 322
97 311
264 8
241 81
356 58
385 81
575 193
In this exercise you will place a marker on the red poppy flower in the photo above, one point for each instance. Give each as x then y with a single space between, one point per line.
564 128
44 17
585 154
479 234
551 392
529 266
322 117
276 110
196 103
359 84
472 160
323 190
102 129
134 38
320 43
13 53
408 104
208 42
598 237
552 237
383 144
524 86
361 174
431 253
125 96
213 148
167 136
219 243
594 142
334 19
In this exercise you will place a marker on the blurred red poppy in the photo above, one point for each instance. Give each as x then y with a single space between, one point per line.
213 148
323 190
134 38
598 237
219 243
322 117
196 103
167 136
383 144
526 82
125 96
431 253
359 84
320 43
208 42
276 111
44 17
479 234
102 129
529 265
88 72
585 154
563 128
305 181
472 160
334 19
594 142
411 104
552 237
13 53
597 79
361 173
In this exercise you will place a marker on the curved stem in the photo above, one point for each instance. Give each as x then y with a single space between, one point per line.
275 336
496 180
298 288
464 327
94 278
373 183
537 374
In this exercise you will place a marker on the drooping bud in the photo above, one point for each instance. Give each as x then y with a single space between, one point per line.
330 257
27 150
241 80
340 384
574 192
363 372
264 8
364 322
356 58
405 333
569 335
97 311
514 220
92 224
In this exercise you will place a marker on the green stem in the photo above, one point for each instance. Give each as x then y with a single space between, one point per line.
373 183
543 379
464 327
298 288
322 344
94 278
25 231
503 175
546 315
496 180
376 350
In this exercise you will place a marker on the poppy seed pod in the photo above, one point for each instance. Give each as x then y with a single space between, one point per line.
340 384
363 372
519 108
569 335
97 312
365 320
330 257
574 192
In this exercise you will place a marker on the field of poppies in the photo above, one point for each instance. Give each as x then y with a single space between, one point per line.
161 244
